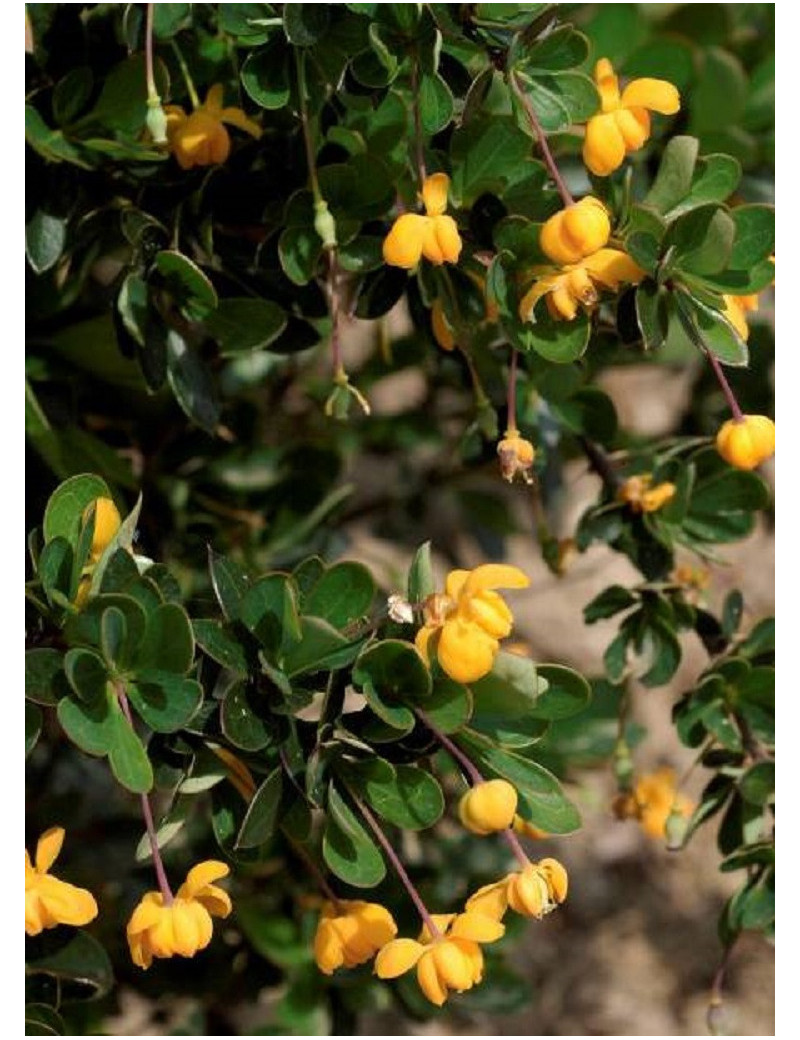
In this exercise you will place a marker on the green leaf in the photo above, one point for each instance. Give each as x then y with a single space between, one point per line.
165 701
567 692
63 515
436 104
757 786
348 848
305 24
274 936
666 653
449 706
269 611
558 341
715 179
126 754
504 701
713 330
406 796
420 575
230 583
45 236
42 1020
220 645
169 19
250 24
88 724
261 818
241 718
482 154
191 382
342 595
320 646
675 174
702 240
50 144
33 726
590 412
115 642
242 324
76 959
56 569
651 313
755 235
86 673
609 602
541 800
392 672
728 491
168 644
189 286
121 105
562 49
265 75
72 93
45 682
299 249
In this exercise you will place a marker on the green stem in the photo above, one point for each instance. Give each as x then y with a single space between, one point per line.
152 92
302 92
187 78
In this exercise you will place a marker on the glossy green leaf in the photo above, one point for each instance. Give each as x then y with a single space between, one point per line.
165 701
33 726
230 583
407 797
218 643
45 682
63 515
190 287
347 846
342 595
265 75
75 958
243 720
126 754
45 237
261 818
567 692
449 706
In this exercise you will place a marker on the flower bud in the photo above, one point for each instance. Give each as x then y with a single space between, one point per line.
746 442
106 524
156 121
324 224
675 829
488 807
575 232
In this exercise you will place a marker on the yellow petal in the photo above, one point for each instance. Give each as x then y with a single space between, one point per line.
402 247
429 981
452 966
495 576
397 957
216 900
441 243
236 117
33 916
478 927
465 651
610 267
635 131
656 94
422 639
377 924
454 583
488 807
441 922
607 85
434 194
603 147
146 914
540 288
201 875
48 848
489 901
65 903
557 879
327 948
213 101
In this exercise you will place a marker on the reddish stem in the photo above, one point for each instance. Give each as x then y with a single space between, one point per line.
730 397
148 51
421 172
512 392
147 812
541 137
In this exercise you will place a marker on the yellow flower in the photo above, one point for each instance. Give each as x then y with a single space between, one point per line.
746 442
49 901
451 961
516 457
736 308
575 232
106 524
695 579
434 236
350 933
200 139
579 284
533 891
528 830
182 927
642 497
623 123
656 797
488 807
469 620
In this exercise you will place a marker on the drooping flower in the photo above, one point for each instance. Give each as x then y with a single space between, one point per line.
48 900
746 442
623 123
434 235
533 891
652 801
576 231
450 961
200 138
184 926
464 626
350 932
577 285
516 456
642 496
488 807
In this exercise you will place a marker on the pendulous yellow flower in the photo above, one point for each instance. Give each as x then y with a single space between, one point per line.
578 285
182 927
533 891
200 138
746 442
652 801
48 900
623 123
639 493
576 231
516 456
434 235
488 807
467 623
451 961
350 932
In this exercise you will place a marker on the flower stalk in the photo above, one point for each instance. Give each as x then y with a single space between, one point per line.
541 137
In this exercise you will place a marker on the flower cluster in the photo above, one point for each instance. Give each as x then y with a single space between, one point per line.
463 627
434 235
652 801
642 496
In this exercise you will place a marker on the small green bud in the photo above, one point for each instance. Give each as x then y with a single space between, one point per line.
324 224
675 830
156 120
623 766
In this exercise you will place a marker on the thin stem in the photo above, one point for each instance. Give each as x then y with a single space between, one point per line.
512 393
302 93
541 137
335 309
398 866
147 812
715 997
152 92
418 140
730 397
313 869
187 78
514 844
